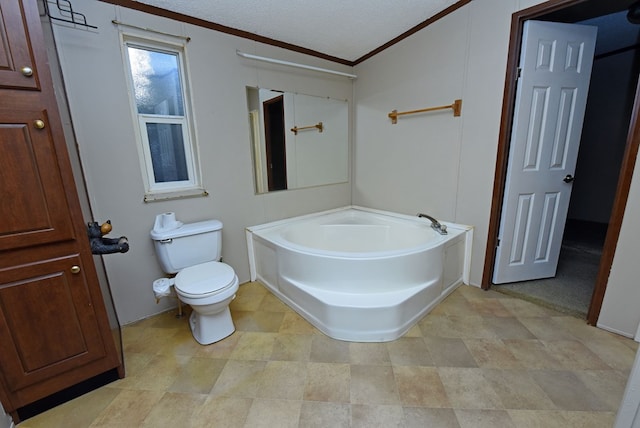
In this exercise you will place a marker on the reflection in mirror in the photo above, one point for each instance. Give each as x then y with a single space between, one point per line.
297 140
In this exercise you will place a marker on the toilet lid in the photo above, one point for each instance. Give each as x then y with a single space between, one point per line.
205 278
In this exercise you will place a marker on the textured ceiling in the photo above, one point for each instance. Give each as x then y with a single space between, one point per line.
345 29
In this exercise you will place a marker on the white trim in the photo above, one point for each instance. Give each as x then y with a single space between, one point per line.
175 189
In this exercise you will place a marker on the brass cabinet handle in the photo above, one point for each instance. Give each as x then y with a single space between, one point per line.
39 124
75 269
26 71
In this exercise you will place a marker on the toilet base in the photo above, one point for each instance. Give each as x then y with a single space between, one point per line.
208 329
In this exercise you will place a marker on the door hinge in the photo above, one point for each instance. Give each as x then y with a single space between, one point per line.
497 242
519 73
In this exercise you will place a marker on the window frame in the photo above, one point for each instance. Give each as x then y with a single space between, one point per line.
171 189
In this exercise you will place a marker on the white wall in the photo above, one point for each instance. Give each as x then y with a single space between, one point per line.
95 81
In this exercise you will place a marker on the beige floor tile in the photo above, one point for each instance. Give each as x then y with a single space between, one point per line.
316 414
590 419
254 287
173 409
292 347
573 355
421 417
467 388
567 391
420 387
292 323
257 321
540 419
271 303
198 376
607 385
181 342
150 340
545 328
327 350
449 352
521 308
128 409
77 413
532 354
328 382
158 375
363 416
373 385
507 328
456 327
581 330
489 307
239 379
455 304
492 353
254 346
369 353
227 412
221 349
266 413
409 351
612 352
283 380
246 302
484 418
518 390
414 331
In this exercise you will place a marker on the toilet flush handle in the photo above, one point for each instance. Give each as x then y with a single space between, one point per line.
166 241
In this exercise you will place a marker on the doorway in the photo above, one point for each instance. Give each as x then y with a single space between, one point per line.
589 235
275 143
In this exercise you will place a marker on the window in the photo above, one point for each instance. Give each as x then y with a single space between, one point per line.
160 105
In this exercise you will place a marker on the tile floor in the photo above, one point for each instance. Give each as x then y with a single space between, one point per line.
479 359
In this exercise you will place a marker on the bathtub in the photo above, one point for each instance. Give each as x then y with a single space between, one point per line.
359 274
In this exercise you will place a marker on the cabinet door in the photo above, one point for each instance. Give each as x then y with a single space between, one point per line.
17 65
48 325
30 179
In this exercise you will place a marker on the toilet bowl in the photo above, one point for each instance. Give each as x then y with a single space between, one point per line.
208 288
192 251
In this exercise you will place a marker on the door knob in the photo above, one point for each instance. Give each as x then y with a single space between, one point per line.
75 269
39 124
568 178
26 71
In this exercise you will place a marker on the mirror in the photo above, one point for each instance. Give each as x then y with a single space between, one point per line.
297 140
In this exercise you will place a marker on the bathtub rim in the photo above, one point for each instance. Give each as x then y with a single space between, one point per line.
250 231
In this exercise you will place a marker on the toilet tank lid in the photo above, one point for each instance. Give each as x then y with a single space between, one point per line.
187 229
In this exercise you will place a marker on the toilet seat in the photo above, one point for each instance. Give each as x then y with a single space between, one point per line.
204 280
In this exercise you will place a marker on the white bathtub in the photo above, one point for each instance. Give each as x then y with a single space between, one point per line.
359 274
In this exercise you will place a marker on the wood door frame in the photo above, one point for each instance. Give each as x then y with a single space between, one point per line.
626 170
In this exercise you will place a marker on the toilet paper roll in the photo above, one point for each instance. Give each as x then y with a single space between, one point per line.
162 287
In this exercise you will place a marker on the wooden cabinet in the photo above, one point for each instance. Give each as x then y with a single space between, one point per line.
54 328
17 62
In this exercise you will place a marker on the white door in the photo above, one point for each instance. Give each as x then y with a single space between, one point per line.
551 97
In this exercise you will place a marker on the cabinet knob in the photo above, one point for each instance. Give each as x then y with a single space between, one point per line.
75 269
39 124
26 71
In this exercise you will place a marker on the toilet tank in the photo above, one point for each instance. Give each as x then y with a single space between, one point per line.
182 245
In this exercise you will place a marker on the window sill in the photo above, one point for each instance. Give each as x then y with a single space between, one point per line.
178 194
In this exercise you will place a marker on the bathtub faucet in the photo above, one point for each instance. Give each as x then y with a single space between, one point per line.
435 224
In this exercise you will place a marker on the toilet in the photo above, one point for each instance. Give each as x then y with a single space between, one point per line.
193 251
